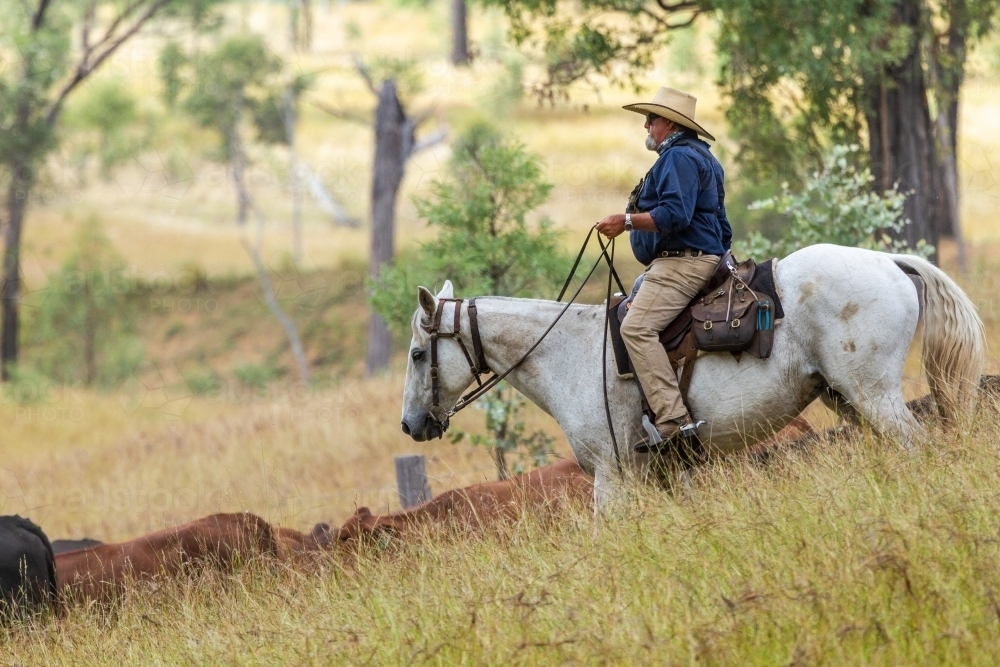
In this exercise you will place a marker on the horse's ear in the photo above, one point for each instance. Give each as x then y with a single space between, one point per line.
428 302
447 291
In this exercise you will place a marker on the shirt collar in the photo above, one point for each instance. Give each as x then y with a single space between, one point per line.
672 139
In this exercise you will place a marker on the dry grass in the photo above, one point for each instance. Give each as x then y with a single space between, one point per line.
853 554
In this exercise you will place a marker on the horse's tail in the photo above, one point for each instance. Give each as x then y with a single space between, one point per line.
954 345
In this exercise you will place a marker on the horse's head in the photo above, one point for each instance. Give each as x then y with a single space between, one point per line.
422 420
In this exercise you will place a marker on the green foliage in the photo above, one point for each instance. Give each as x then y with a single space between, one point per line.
507 90
203 15
793 73
484 246
256 376
169 65
203 383
237 80
581 42
406 72
835 205
106 124
506 432
84 326
484 243
31 64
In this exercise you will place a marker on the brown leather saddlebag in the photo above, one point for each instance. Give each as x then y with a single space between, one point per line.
726 319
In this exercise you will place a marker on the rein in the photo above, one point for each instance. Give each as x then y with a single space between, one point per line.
479 366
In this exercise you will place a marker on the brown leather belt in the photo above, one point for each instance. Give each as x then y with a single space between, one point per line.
686 252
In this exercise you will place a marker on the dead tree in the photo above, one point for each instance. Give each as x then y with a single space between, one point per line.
459 33
394 142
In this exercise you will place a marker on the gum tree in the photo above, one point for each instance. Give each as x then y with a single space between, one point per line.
799 76
48 49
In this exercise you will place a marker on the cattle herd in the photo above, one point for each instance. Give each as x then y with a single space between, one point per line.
36 575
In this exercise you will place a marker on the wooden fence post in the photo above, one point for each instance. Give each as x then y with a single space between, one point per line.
411 480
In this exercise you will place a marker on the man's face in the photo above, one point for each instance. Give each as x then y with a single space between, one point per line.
658 128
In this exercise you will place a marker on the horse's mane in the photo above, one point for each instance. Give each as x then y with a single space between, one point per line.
421 335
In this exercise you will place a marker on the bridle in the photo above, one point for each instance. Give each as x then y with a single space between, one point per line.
477 366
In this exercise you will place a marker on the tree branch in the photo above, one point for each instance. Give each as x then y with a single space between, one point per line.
85 67
291 332
678 7
88 23
117 21
432 140
663 21
39 17
364 74
342 114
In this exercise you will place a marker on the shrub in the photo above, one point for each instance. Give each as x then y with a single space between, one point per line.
485 246
837 205
84 328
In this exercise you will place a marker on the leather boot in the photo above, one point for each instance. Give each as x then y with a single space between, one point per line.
669 431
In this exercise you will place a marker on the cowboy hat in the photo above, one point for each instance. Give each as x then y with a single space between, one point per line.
674 105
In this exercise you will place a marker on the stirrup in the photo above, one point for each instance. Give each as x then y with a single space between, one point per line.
690 431
656 444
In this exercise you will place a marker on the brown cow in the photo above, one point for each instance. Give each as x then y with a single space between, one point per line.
220 539
478 506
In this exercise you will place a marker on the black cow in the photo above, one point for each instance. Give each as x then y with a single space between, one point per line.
27 567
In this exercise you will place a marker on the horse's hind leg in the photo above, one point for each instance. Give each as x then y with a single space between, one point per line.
878 402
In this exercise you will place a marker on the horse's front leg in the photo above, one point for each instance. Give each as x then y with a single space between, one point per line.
608 488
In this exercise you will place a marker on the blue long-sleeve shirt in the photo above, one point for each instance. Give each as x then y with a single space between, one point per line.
681 193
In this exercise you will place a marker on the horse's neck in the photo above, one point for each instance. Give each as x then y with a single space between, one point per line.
509 327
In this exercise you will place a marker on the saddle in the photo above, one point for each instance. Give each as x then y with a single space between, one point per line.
735 312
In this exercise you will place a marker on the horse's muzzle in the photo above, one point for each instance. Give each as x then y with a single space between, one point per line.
429 429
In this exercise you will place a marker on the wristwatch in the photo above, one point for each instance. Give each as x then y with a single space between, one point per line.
628 222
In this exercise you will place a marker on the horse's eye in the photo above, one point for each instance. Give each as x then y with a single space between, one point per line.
417 355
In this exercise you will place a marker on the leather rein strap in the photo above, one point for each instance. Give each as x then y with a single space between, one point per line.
479 365
477 345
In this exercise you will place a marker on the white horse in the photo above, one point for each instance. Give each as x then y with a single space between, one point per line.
850 316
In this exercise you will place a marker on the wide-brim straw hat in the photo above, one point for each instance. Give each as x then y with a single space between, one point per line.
674 105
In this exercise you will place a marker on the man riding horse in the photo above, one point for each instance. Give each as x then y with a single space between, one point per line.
678 229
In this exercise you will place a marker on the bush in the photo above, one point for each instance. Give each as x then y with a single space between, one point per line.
256 376
837 205
84 328
484 246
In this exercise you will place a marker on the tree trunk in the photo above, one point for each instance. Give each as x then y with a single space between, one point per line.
459 33
18 191
902 142
307 24
89 335
238 160
293 177
947 69
393 143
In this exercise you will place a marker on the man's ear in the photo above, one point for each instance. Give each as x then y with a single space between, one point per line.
447 291
428 302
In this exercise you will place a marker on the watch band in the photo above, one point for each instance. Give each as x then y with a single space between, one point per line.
628 222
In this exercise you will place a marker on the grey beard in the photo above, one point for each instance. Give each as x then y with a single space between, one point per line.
651 144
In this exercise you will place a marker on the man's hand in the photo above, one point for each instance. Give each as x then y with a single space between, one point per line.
612 226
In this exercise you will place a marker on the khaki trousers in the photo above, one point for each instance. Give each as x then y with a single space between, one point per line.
670 285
